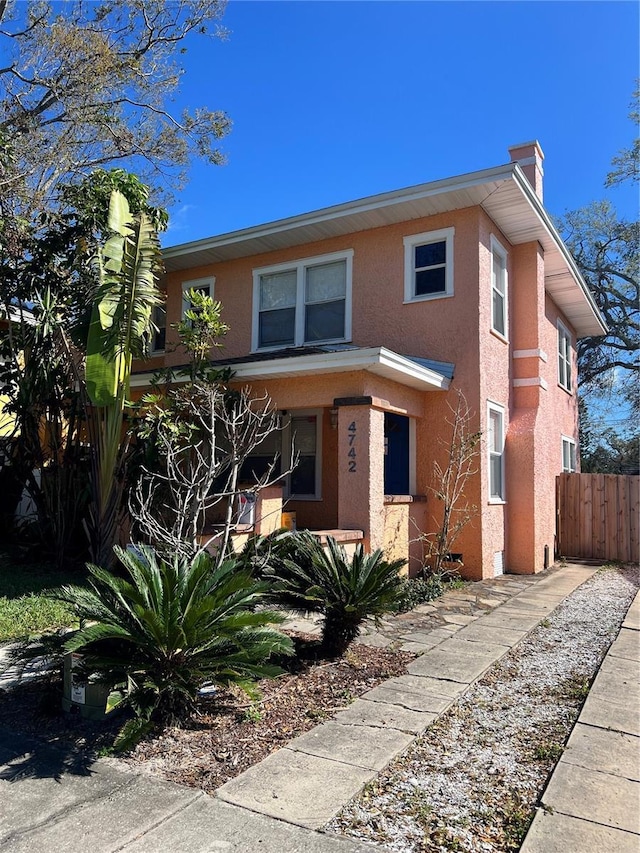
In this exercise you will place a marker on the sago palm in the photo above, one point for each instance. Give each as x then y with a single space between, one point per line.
166 629
346 591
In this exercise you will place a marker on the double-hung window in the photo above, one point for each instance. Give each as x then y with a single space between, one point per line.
495 445
568 455
564 357
498 288
428 265
303 302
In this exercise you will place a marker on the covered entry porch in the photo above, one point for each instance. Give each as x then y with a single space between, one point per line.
353 416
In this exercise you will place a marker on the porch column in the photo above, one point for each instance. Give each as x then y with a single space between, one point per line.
361 469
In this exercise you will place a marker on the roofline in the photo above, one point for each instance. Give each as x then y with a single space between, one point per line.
358 206
508 172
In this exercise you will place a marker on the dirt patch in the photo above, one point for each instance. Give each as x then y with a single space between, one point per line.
229 733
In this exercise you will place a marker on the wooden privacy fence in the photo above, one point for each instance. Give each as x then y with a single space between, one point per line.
597 516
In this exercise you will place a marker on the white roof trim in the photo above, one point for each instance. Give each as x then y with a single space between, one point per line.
378 360
503 192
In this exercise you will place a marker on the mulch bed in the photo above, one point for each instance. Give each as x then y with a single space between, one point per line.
229 733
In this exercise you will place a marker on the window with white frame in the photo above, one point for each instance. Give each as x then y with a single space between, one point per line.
564 357
303 302
568 455
495 445
203 285
498 288
299 438
428 265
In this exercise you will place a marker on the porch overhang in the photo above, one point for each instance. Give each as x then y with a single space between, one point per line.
419 373
377 360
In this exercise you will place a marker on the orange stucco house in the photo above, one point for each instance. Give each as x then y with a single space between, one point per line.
363 319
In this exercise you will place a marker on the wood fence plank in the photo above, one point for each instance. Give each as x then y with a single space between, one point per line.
601 527
634 519
586 514
624 551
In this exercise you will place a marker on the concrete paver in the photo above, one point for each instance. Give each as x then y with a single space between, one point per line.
386 715
414 700
557 833
590 795
627 645
492 634
369 747
457 660
209 826
604 750
303 789
618 716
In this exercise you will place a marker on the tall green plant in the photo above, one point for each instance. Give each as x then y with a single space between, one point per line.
127 265
167 628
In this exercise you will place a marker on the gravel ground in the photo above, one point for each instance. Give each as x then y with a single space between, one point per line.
472 782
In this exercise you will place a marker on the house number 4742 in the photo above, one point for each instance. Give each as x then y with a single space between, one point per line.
352 453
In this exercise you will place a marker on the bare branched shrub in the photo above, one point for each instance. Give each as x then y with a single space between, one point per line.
449 483
202 434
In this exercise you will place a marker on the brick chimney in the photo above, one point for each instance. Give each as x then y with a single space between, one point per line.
529 155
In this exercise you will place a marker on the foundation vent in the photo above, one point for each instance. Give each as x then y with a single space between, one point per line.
498 563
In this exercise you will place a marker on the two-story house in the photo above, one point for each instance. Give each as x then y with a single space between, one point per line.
363 319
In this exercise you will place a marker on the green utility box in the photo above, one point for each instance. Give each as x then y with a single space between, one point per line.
88 698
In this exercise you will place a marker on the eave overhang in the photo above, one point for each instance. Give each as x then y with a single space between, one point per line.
377 360
503 192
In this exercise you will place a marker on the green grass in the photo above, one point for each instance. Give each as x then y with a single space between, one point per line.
25 609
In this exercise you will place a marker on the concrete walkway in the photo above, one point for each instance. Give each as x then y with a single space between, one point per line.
592 801
278 804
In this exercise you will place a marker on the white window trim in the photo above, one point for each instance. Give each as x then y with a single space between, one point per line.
571 443
209 282
410 244
499 410
563 332
498 249
286 453
300 266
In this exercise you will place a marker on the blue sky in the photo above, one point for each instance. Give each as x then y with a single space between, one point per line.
333 101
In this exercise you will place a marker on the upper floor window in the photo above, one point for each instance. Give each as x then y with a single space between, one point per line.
568 455
303 302
428 265
564 357
495 423
204 285
498 288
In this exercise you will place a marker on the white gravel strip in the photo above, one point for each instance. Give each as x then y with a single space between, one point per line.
472 782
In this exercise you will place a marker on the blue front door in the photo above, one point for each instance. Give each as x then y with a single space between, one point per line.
396 454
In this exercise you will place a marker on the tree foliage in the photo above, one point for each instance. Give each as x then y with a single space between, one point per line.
606 247
83 85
